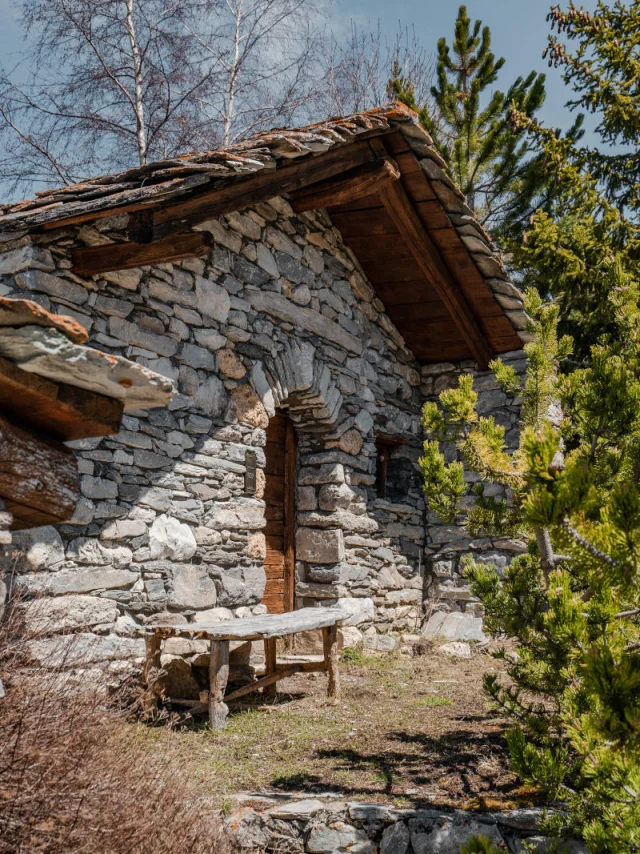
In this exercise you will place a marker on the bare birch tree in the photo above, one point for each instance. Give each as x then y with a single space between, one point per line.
265 58
107 84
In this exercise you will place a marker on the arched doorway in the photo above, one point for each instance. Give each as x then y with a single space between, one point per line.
280 498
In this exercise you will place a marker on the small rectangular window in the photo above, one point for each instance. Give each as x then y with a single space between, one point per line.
384 451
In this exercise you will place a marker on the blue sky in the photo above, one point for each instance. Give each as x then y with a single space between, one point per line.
518 28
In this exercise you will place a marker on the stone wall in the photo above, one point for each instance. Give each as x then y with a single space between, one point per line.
325 824
277 316
452 611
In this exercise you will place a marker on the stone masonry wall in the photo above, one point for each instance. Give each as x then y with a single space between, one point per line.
452 611
277 316
325 823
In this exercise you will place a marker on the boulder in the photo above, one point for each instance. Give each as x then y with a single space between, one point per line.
334 496
213 301
455 649
90 551
38 548
349 636
77 611
320 546
211 397
339 837
356 611
351 442
453 626
395 839
239 585
248 407
231 365
78 580
191 587
448 834
81 650
171 539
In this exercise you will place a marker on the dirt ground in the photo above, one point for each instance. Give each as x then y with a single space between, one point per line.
413 731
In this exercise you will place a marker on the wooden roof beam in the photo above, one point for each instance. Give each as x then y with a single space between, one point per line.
246 191
401 211
360 182
163 233
93 260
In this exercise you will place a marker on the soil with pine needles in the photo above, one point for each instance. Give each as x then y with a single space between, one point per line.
412 731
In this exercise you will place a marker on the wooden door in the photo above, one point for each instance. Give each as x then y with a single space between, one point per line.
279 494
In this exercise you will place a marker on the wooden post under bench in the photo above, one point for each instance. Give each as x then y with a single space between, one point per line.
218 678
330 645
151 677
270 663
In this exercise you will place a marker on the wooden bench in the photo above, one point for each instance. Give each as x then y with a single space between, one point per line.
267 628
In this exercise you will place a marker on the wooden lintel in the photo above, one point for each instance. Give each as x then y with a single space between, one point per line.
58 410
340 191
241 193
36 474
93 260
401 211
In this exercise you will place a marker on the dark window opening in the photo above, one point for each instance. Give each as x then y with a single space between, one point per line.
392 471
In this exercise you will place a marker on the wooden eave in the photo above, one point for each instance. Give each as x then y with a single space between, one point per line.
418 300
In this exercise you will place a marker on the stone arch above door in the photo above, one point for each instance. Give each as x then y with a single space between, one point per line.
297 379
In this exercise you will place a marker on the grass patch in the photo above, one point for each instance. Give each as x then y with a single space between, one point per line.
433 702
385 739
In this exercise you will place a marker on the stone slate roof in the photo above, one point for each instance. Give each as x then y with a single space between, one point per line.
167 180
170 179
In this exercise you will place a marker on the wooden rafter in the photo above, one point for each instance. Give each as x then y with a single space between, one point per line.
344 189
401 211
93 260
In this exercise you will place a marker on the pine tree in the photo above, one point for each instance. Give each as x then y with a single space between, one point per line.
572 602
577 248
487 159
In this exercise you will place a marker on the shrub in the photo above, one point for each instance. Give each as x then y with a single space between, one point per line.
73 778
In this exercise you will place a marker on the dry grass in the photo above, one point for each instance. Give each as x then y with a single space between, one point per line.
414 731
74 779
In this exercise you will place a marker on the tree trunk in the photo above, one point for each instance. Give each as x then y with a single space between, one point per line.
141 131
233 76
547 556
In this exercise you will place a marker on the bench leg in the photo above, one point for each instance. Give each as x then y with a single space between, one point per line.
218 678
270 650
152 681
330 645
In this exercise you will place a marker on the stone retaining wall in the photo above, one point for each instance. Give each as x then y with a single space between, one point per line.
326 824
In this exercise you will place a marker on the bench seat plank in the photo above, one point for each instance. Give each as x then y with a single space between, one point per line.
253 628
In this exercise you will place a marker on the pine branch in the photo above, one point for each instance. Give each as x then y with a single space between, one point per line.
587 546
